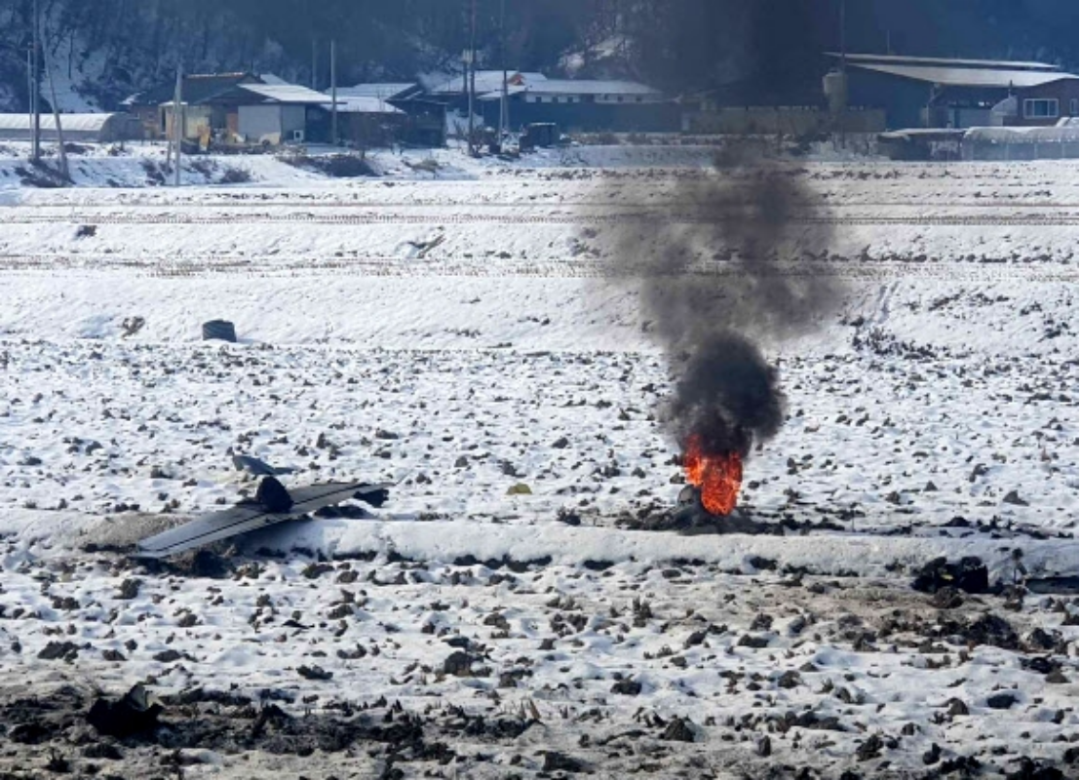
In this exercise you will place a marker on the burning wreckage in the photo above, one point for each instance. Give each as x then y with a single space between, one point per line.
711 492
727 398
273 503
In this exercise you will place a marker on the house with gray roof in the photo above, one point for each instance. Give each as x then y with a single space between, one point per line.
203 98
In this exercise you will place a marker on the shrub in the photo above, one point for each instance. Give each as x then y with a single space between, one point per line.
233 175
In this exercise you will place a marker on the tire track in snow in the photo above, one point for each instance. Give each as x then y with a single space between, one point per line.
401 218
313 266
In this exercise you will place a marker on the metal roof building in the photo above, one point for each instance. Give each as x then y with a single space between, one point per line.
947 76
1022 143
585 105
486 81
899 59
980 74
943 92
580 90
90 128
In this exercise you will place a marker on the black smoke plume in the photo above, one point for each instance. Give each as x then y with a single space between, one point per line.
723 266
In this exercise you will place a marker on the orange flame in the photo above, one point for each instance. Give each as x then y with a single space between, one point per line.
717 476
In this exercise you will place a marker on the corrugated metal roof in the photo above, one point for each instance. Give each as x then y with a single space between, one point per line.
286 93
487 81
966 77
386 90
899 59
198 87
350 104
589 87
81 123
497 94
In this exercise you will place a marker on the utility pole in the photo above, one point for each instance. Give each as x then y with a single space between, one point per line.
504 100
314 64
178 121
333 93
30 90
843 36
35 132
472 72
65 173
843 71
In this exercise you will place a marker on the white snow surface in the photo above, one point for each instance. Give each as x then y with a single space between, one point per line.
457 331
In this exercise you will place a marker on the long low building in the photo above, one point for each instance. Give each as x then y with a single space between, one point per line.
89 128
944 92
585 105
1060 142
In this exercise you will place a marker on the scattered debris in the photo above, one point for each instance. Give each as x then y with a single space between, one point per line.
258 467
969 575
132 713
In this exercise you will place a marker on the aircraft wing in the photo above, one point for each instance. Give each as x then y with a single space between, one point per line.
245 517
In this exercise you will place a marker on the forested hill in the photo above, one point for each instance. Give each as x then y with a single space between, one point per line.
100 51
105 50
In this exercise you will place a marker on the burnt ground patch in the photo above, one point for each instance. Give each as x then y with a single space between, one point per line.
337 166
206 719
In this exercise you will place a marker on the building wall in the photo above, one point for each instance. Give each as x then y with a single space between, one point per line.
1065 91
589 117
292 118
149 119
260 123
271 123
903 100
367 131
614 99
426 125
782 120
119 127
956 116
196 118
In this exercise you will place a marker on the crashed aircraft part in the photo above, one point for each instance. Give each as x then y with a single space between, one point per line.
258 467
245 517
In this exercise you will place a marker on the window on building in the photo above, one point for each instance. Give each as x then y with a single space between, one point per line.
1072 107
639 99
618 99
1035 108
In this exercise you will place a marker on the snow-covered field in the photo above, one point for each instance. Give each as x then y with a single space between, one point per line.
467 331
